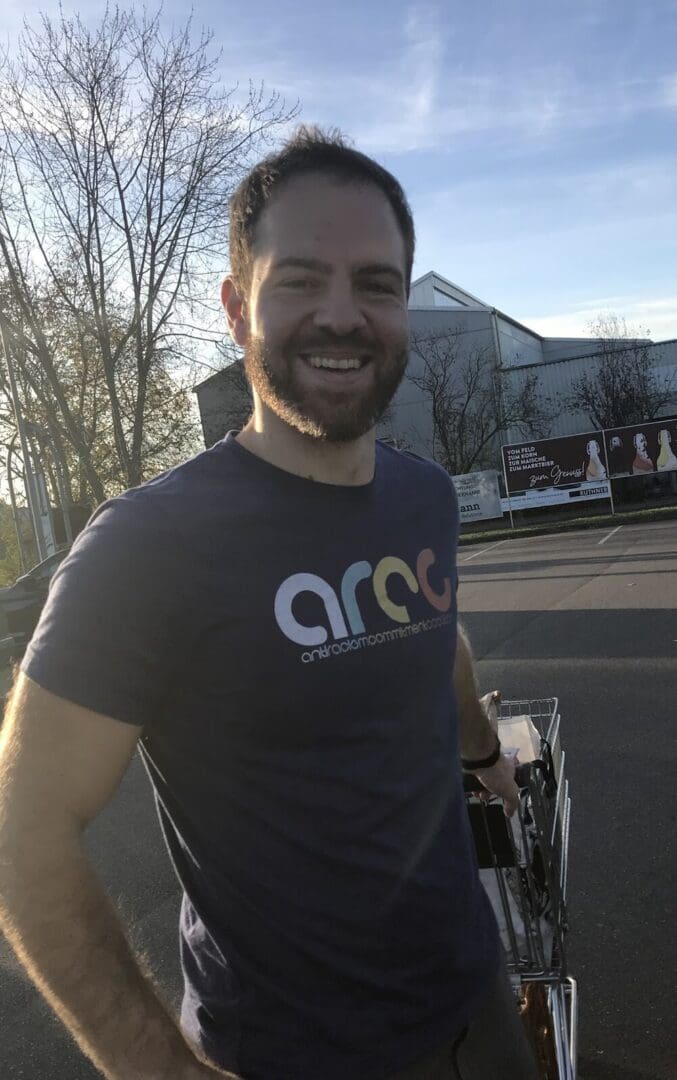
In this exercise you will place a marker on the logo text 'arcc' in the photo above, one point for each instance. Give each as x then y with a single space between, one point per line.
344 616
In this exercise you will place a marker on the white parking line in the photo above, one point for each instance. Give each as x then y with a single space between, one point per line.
609 535
565 536
490 548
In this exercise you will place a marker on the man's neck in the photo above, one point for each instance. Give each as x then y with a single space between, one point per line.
350 464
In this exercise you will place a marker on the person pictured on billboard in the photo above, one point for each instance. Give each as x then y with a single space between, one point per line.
618 458
666 457
642 462
594 469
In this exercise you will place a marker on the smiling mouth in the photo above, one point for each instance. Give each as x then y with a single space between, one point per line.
334 363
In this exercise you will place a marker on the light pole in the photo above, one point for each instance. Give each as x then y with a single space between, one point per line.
23 559
45 440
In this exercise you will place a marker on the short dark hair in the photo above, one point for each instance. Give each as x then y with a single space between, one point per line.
310 149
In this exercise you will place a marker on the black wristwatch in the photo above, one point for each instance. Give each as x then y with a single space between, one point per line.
483 763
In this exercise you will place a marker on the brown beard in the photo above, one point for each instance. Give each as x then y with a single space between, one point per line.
280 391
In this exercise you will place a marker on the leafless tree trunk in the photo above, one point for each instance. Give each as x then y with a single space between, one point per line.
470 401
622 386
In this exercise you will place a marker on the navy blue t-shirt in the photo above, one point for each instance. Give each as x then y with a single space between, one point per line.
287 648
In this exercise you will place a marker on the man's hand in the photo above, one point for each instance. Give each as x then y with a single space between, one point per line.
500 781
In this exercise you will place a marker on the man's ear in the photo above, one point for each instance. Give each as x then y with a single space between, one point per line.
235 305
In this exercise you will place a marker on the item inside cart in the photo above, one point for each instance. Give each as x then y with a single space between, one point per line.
519 737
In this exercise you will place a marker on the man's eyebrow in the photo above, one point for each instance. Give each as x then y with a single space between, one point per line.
382 268
302 264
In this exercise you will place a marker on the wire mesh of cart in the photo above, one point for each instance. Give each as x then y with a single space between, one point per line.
523 866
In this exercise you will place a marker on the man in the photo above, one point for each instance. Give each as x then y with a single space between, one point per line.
274 625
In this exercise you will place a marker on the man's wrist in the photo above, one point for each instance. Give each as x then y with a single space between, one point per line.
486 761
478 737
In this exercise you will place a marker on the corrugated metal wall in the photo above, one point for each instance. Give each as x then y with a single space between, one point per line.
555 380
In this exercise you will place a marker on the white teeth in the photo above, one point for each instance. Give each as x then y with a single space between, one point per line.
335 363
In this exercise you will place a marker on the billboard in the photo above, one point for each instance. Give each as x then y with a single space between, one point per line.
642 449
479 496
554 463
539 497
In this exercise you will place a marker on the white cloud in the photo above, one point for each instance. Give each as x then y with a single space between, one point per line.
402 102
425 97
658 315
415 94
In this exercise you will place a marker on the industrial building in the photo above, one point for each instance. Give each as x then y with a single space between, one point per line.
440 309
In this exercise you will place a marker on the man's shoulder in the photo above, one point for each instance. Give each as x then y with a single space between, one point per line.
170 495
186 479
415 466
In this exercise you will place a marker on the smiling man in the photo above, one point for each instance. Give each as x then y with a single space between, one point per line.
274 625
321 364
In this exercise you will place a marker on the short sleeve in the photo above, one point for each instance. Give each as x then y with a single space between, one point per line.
108 637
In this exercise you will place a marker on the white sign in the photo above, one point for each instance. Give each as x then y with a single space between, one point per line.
528 500
479 496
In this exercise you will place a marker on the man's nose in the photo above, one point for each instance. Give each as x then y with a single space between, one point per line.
338 310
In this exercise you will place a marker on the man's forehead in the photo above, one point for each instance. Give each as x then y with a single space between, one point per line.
312 210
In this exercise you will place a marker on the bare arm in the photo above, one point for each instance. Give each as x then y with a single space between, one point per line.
477 739
59 765
476 736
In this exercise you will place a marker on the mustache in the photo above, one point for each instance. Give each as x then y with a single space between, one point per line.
356 342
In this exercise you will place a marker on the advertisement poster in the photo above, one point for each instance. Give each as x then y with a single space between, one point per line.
555 463
539 497
479 496
642 448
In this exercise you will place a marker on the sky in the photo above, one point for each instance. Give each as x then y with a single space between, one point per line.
537 142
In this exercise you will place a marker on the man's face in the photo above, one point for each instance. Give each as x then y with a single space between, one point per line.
324 326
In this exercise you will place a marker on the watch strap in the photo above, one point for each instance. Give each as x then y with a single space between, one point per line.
483 763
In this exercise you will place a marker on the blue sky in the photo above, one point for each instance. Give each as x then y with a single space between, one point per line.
537 141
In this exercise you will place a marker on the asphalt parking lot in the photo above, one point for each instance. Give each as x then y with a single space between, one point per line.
588 617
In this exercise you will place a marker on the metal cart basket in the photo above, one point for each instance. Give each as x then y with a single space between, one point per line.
523 865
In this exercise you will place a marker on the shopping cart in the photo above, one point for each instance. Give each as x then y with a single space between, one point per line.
523 865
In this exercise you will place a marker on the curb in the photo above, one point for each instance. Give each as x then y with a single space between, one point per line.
666 513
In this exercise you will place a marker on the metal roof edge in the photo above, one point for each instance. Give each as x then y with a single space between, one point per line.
210 378
452 285
583 356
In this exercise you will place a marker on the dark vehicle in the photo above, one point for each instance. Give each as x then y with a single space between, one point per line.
21 604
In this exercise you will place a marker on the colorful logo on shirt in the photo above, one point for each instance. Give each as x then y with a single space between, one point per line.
342 609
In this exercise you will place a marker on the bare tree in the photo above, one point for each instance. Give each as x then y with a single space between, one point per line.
118 151
471 402
622 386
390 432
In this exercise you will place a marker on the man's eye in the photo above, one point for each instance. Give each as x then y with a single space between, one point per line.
380 287
299 283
